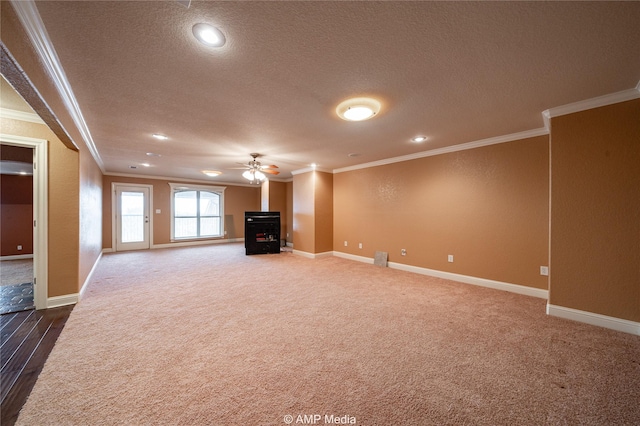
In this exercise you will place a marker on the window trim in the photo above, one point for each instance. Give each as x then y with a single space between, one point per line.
179 187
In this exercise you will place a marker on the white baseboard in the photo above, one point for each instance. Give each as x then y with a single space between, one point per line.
17 257
313 255
482 282
353 257
86 282
57 301
612 323
304 254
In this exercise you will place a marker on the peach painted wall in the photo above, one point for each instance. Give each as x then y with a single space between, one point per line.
16 216
237 200
313 212
323 207
289 202
303 212
595 211
90 242
278 203
488 207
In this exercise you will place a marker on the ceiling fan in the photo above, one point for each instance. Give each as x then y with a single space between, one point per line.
255 171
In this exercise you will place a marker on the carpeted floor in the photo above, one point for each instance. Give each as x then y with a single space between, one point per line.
209 336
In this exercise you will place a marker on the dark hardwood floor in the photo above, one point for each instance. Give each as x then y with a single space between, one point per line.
26 341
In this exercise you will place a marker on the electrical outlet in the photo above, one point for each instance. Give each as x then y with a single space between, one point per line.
158 211
544 270
359 245
450 258
403 252
345 244
20 247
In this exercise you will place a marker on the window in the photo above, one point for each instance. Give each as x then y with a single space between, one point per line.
197 211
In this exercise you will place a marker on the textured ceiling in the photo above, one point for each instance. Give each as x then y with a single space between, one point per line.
456 72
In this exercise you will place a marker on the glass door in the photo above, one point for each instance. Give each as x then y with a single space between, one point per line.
132 218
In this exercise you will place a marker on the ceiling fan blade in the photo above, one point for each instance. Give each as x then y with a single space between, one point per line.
271 172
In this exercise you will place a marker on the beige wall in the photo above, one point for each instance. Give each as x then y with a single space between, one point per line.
488 207
595 211
237 200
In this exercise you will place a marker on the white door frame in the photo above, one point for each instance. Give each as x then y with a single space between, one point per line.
40 214
114 210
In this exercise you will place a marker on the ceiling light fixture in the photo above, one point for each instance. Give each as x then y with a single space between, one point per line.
419 139
209 35
254 175
159 136
358 109
212 173
153 154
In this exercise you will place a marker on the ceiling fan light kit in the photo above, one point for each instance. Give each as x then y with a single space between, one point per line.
256 171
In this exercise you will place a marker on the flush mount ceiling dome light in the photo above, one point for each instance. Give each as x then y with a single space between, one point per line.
358 109
209 35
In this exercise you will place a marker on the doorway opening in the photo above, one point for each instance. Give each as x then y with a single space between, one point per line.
16 228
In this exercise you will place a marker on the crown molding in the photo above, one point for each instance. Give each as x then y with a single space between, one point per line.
21 115
178 179
600 101
31 21
311 169
449 149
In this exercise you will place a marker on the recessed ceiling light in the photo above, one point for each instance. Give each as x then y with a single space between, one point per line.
145 164
208 35
212 173
419 139
159 136
153 154
358 109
